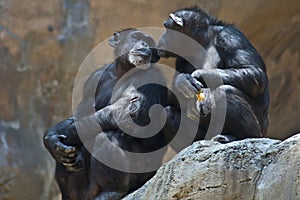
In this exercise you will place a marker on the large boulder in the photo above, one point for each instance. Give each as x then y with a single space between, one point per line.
259 169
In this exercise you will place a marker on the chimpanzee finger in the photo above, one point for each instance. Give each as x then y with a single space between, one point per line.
192 115
192 111
194 82
187 91
199 75
69 164
74 168
183 85
64 149
198 85
67 160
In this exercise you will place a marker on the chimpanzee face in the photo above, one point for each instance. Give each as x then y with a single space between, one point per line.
135 47
190 23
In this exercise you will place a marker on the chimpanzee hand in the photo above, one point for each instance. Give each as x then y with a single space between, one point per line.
187 85
202 108
205 106
54 141
62 153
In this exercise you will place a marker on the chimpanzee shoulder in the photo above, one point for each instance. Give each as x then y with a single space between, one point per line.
233 45
230 38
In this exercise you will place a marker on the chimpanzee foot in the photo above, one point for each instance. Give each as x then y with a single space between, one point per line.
224 138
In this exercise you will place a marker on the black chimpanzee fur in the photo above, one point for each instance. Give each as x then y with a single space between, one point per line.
238 64
80 175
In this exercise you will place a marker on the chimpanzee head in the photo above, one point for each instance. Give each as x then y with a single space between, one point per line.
193 22
134 48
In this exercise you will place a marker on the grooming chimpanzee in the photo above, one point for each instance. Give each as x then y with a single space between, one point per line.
239 66
80 175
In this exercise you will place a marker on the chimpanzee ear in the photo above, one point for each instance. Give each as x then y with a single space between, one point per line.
154 57
114 40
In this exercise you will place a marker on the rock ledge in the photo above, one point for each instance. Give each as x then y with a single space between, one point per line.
248 169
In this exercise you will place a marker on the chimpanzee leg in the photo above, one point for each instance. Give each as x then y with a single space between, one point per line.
240 121
95 191
61 176
73 185
102 176
193 131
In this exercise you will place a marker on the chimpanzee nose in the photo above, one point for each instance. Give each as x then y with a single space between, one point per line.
165 23
168 23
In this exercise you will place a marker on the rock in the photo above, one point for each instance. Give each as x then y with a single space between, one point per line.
260 169
36 76
280 179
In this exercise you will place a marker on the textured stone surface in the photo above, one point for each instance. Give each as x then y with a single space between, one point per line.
42 44
260 169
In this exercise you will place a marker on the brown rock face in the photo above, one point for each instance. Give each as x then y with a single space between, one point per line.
42 44
249 169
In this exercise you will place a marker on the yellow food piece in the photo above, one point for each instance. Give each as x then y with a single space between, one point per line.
200 96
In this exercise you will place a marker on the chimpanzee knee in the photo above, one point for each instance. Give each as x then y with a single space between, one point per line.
240 120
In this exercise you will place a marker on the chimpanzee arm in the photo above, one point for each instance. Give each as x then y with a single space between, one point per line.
90 97
85 116
106 118
62 143
240 64
93 124
250 80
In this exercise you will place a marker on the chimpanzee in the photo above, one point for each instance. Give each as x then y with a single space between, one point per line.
80 175
237 63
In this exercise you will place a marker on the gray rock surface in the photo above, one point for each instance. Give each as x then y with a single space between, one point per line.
260 169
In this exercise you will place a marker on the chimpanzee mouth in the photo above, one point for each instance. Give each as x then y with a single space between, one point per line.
140 59
140 53
165 53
